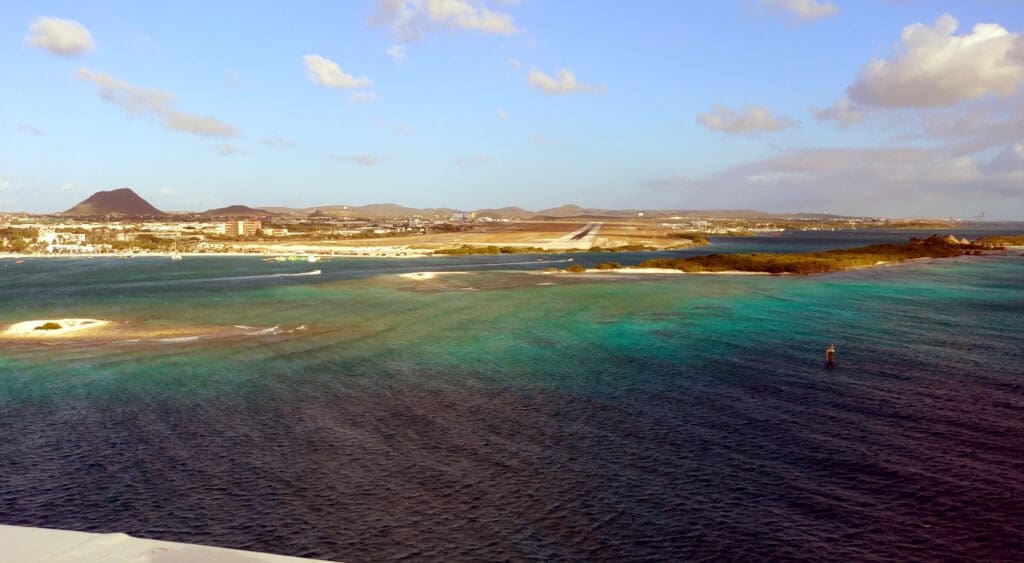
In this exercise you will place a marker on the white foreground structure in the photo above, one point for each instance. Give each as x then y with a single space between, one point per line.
39 545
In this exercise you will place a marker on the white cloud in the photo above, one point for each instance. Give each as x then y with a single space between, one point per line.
328 74
138 101
803 10
5 184
564 82
277 141
935 67
750 121
29 128
366 159
502 115
60 36
168 191
363 97
514 63
842 113
396 52
411 20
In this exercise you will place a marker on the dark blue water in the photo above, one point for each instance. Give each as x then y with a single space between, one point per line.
485 416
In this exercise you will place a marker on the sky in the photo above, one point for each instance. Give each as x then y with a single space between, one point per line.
892 108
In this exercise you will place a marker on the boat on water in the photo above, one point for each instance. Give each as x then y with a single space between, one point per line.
175 257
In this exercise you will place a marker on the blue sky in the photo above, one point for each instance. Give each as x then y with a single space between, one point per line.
673 104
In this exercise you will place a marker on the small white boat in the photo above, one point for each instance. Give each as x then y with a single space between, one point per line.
175 257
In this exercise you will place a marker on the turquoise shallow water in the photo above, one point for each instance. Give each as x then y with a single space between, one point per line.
487 416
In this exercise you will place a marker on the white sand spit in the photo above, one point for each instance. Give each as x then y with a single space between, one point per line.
424 276
53 328
418 276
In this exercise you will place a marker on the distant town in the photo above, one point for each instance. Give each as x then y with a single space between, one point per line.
120 222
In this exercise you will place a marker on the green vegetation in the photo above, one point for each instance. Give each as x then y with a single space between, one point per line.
694 238
467 249
576 268
49 326
17 239
816 262
623 248
608 266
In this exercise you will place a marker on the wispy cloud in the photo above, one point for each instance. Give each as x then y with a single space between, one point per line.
63 37
749 121
803 10
277 141
396 52
157 103
470 160
539 140
29 128
227 149
328 74
502 115
232 78
363 97
411 20
878 181
366 159
843 113
563 82
514 63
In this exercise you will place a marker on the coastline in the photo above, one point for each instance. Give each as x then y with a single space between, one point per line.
375 253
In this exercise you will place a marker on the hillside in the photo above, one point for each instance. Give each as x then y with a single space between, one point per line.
121 202
236 211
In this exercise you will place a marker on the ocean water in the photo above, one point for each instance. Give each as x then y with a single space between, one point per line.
504 414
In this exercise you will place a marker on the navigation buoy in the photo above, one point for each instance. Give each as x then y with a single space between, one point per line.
830 355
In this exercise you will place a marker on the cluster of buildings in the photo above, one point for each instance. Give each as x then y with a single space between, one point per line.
58 236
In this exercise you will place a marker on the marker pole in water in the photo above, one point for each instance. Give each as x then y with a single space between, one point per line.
830 356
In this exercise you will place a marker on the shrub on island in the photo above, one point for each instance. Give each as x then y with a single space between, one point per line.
470 250
576 268
694 238
608 266
49 326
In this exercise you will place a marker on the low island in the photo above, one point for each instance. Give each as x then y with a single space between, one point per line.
815 262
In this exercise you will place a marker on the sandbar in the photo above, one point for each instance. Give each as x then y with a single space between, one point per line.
424 276
54 328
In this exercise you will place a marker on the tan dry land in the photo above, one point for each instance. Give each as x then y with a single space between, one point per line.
548 235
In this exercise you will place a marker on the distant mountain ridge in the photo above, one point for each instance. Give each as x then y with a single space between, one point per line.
236 211
126 203
123 202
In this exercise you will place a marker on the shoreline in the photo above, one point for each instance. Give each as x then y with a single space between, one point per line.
319 256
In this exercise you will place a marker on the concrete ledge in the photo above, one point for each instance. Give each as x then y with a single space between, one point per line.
32 545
